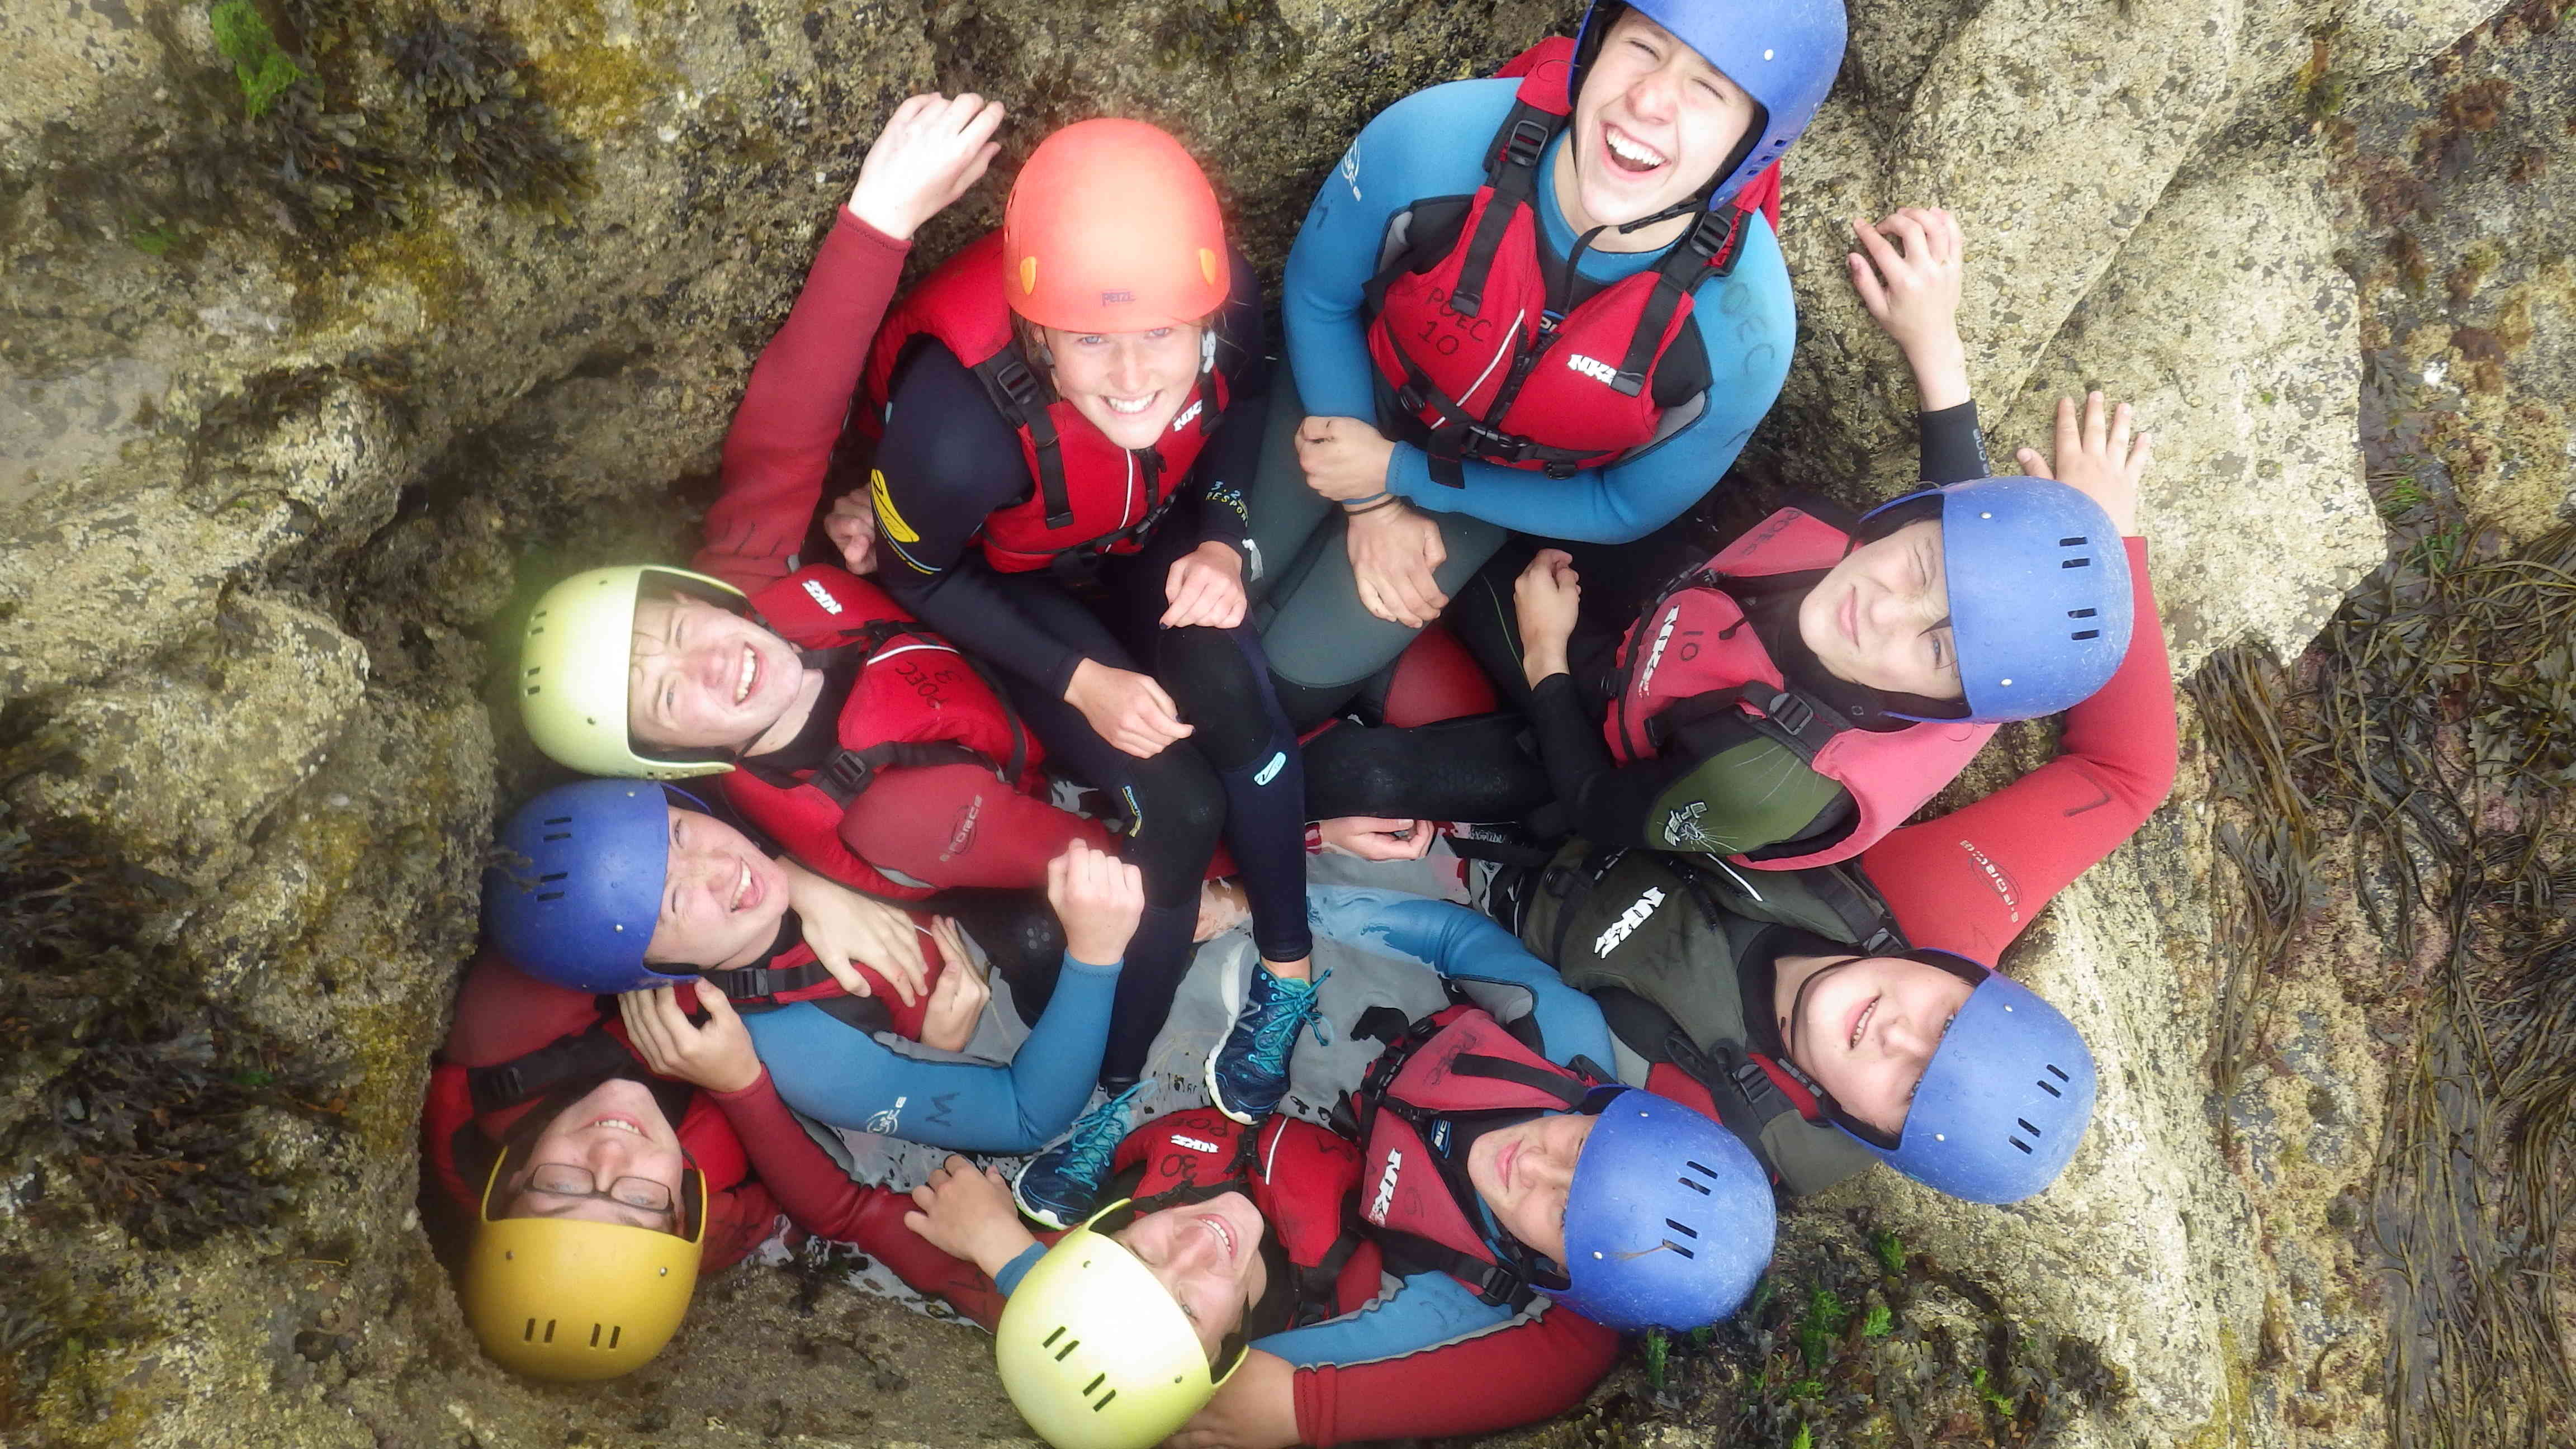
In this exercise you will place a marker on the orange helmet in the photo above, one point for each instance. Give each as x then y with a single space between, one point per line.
1112 228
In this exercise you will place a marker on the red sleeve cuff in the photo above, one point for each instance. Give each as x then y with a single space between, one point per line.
850 221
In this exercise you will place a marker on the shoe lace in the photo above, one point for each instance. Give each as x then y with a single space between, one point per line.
1295 1004
1096 1137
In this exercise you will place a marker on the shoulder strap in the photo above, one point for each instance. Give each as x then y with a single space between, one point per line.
1512 173
1022 397
1709 247
586 1054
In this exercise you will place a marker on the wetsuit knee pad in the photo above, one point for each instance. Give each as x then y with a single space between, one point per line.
1467 769
1218 686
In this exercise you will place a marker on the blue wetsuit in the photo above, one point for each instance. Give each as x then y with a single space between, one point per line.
1432 144
847 1078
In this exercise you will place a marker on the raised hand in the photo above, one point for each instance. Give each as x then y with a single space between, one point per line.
1908 273
968 1214
931 150
852 527
845 927
957 1002
2098 458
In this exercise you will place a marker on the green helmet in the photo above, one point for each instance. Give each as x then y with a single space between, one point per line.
574 664
1093 1351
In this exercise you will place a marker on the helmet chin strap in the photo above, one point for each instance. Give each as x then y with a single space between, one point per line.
1798 1001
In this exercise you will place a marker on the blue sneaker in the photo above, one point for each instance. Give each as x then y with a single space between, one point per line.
1060 1186
1248 1075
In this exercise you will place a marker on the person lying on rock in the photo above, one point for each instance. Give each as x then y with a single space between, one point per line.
1065 412
611 886
1847 1012
1549 306
1460 1262
868 746
602 1157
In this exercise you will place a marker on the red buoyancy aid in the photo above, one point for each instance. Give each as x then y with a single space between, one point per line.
1299 1175
917 701
1697 647
471 1110
1091 496
1414 1192
1465 312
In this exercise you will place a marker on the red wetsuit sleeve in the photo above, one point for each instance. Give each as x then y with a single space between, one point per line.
1536 1368
805 1183
957 825
779 448
1971 880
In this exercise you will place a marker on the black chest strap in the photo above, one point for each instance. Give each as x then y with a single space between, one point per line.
590 1055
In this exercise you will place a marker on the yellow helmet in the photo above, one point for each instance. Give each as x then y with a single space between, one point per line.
574 664
1093 1351
566 1300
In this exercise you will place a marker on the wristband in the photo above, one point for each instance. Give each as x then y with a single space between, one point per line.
1383 500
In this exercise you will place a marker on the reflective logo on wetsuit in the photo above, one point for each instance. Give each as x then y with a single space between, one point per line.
1682 827
1188 414
887 518
823 597
886 1121
1628 922
1385 1189
1592 368
1270 772
1351 170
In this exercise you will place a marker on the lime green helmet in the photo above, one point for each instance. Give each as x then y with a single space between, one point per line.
1093 1351
574 664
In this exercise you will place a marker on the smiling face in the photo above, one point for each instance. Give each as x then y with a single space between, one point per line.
1652 127
702 677
1131 385
1208 1255
617 1131
1865 1027
1523 1173
1881 616
722 897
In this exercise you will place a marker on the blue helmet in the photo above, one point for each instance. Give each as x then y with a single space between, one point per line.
1668 1221
1784 55
578 885
2004 1102
2039 591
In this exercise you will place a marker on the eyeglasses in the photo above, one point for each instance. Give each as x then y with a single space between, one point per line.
564 1179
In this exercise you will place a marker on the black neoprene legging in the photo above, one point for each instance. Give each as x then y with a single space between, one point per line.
1238 775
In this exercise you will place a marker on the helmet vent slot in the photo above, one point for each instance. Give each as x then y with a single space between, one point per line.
2050 1088
2082 613
1678 1248
2073 542
2026 1127
558 875
2058 1072
1095 1383
594 1334
1070 1345
2075 563
550 895
1685 1229
2017 1142
550 1332
1104 1401
1052 1337
1700 1188
1702 1168
2086 634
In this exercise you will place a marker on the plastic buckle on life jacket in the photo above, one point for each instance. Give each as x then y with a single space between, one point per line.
1751 1082
1523 145
1484 441
844 777
1789 712
1017 383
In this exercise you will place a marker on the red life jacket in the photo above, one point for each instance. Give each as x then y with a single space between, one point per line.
1465 311
1299 1175
917 701
471 1111
1092 496
1692 656
1414 1191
